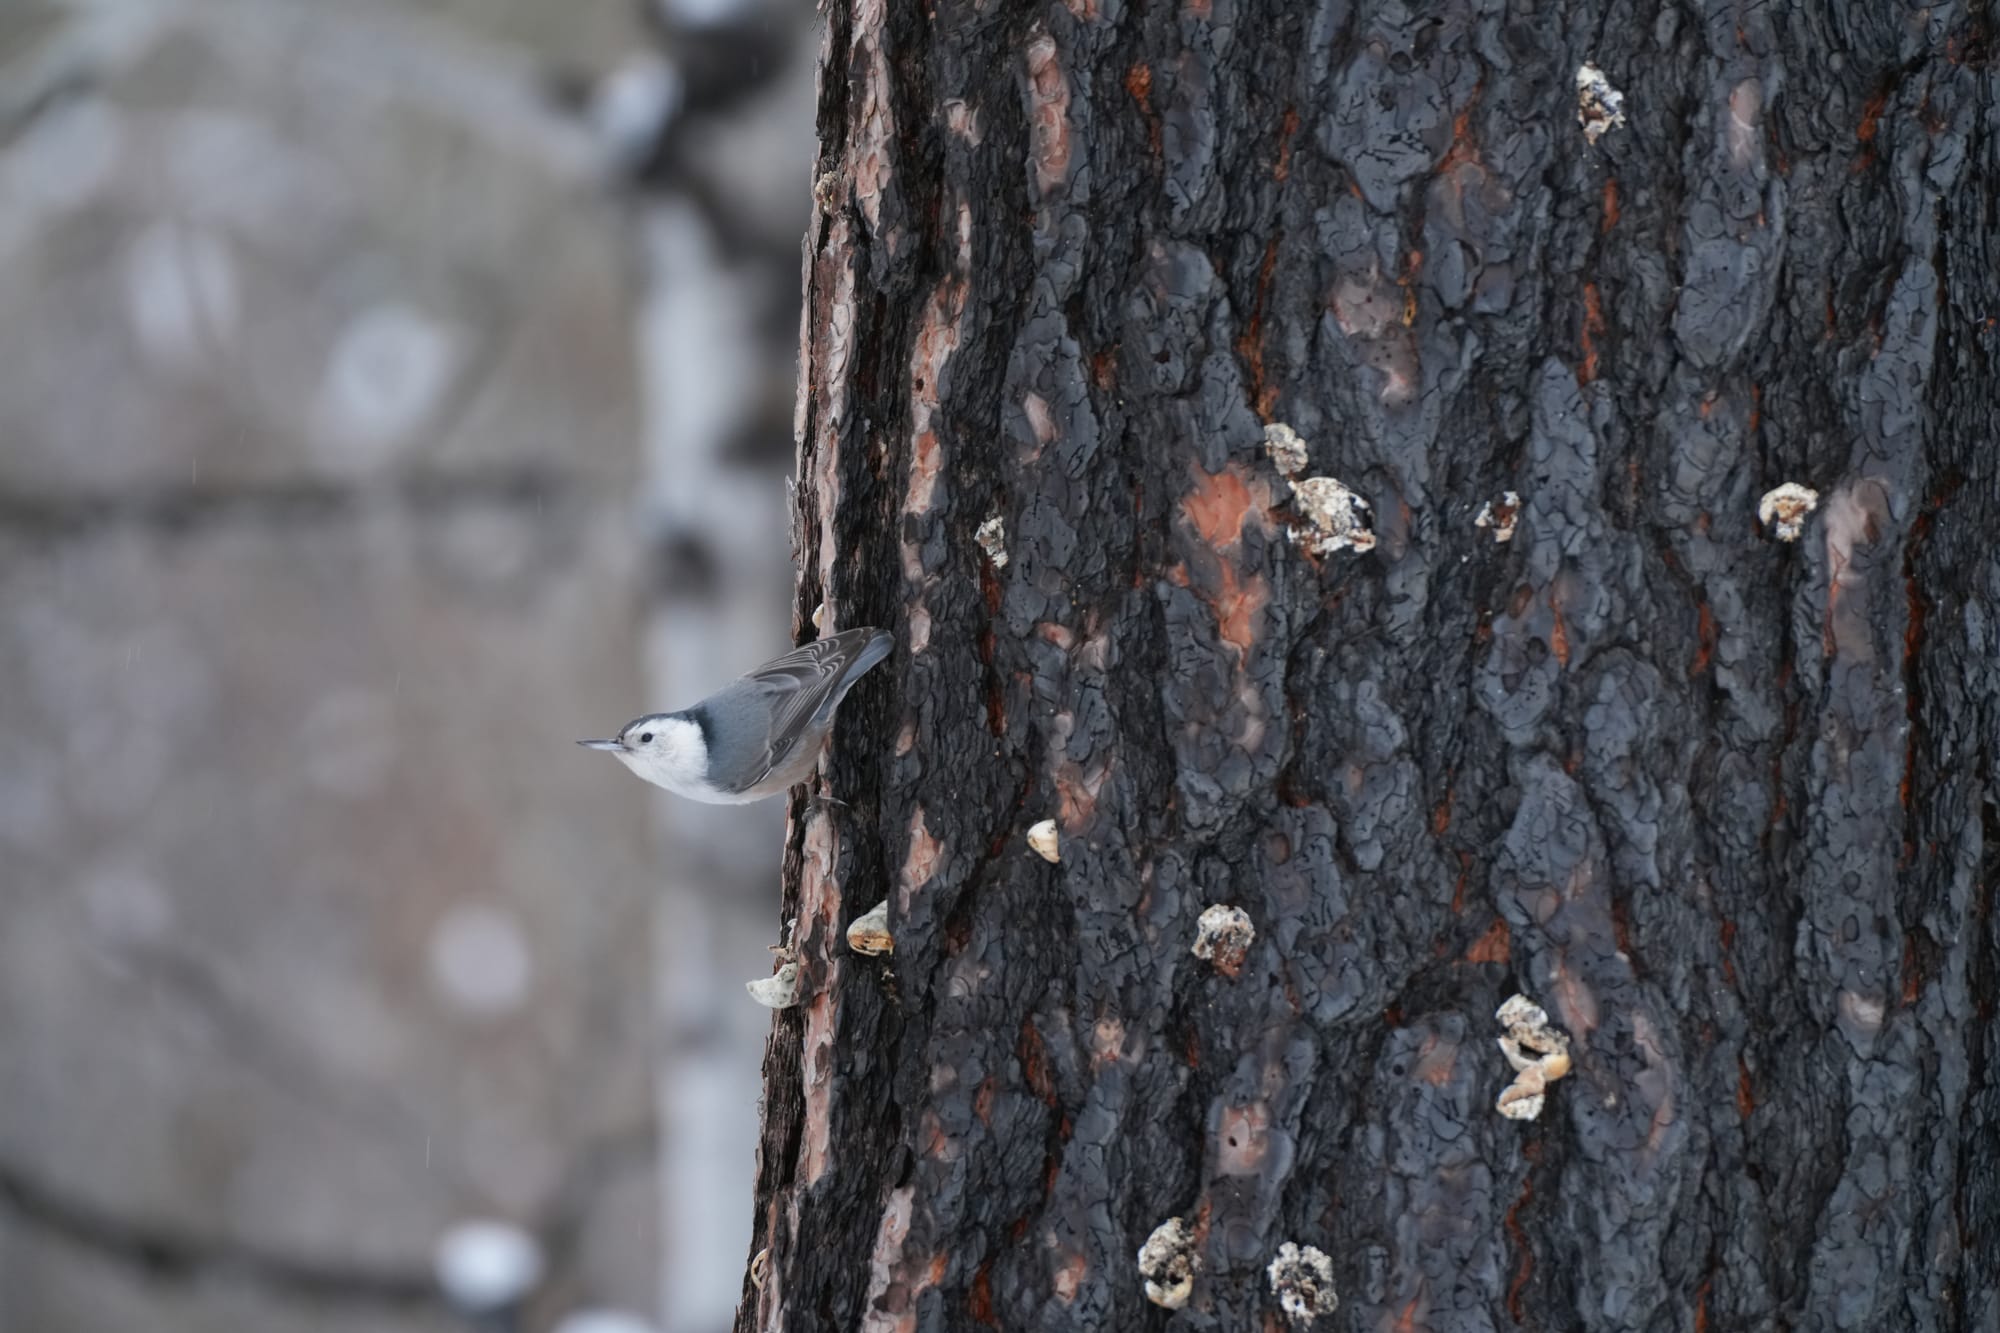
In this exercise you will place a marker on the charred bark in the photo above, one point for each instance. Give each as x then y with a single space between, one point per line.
1722 803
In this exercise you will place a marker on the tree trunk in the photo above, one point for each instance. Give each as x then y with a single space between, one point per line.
1721 803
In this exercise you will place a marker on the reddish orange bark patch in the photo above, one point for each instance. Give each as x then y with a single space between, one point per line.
1034 1063
1435 1062
1441 817
1610 204
934 1140
1495 946
1593 328
1238 607
1283 170
1216 506
1621 928
1071 1269
979 1302
1077 788
1520 1239
923 473
920 863
1049 143
1871 115
1558 634
1139 83
1576 1001
1250 344
1704 648
1746 1101
1701 1305
816 1146
1462 148
1040 419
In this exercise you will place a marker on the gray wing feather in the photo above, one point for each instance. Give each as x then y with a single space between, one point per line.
799 691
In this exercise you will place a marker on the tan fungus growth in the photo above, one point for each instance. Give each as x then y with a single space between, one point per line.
1599 106
1302 1279
1287 450
1784 508
1223 936
780 990
1338 516
870 932
1168 1262
1538 1053
1500 515
992 539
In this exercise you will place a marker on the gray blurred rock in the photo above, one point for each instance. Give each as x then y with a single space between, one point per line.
314 933
250 241
321 431
54 1285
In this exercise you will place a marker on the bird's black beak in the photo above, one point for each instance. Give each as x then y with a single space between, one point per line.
613 746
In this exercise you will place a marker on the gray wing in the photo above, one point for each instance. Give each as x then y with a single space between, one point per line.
797 693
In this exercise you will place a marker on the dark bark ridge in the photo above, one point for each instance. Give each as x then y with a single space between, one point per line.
1722 804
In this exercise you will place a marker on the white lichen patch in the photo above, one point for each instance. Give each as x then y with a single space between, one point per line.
1338 516
1223 936
780 990
1302 1280
992 539
870 932
1500 515
1599 106
1287 450
1168 1261
1046 841
829 192
1784 508
1538 1053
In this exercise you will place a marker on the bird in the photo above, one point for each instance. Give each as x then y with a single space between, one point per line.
759 735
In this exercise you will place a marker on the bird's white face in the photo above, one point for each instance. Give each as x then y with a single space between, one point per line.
667 752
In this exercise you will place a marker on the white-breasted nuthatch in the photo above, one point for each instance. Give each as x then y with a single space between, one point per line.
757 736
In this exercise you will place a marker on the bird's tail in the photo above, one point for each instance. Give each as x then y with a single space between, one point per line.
862 649
874 648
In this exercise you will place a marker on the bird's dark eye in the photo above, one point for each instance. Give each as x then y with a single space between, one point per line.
646 738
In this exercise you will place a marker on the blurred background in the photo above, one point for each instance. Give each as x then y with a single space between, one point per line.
391 392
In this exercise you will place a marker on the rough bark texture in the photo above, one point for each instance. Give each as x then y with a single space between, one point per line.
1723 804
